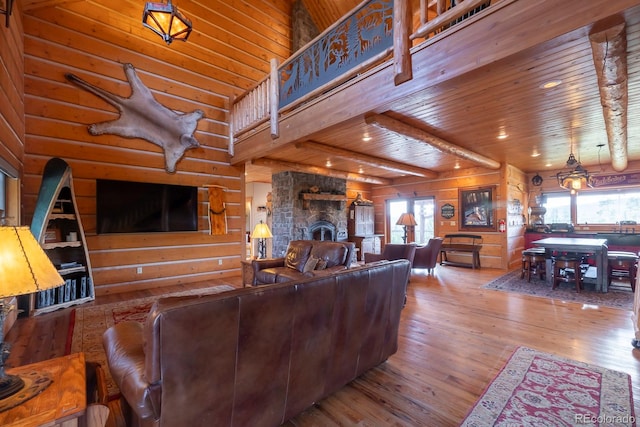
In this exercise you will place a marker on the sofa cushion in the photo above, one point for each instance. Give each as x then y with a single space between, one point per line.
297 254
310 264
333 253
289 275
268 275
321 265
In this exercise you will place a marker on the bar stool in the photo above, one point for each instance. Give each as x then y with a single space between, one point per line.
563 263
623 264
533 261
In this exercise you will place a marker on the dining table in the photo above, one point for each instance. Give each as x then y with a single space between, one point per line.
580 246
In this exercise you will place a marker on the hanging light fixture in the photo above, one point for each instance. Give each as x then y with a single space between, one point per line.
577 177
166 21
8 5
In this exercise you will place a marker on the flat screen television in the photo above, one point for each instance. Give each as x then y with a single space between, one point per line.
139 207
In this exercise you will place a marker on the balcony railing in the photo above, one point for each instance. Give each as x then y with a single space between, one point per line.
375 31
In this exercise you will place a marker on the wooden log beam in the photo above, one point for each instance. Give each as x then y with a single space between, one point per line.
408 131
609 48
401 42
290 166
274 100
286 166
376 162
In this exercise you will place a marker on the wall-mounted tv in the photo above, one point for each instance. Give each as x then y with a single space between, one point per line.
137 207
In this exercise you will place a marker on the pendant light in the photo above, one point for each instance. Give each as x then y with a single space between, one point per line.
577 177
166 21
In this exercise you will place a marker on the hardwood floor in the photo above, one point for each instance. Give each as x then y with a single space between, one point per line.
454 338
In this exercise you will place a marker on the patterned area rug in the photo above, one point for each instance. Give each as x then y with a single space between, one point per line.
540 389
618 296
89 323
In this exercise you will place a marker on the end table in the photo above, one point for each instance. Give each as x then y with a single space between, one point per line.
61 404
248 278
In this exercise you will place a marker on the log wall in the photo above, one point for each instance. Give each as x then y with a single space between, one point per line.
498 251
12 93
92 40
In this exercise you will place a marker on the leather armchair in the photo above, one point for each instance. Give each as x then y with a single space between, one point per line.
391 252
427 256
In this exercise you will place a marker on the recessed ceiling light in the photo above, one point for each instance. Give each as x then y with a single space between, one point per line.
551 84
328 164
535 154
457 166
366 137
503 136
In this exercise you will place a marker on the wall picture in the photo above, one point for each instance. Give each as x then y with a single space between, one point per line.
476 209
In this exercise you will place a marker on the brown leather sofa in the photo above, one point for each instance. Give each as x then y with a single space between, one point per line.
256 356
298 263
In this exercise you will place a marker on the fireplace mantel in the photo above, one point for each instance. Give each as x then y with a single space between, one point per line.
307 197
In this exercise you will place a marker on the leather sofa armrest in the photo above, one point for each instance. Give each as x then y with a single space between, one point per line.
371 257
124 348
261 264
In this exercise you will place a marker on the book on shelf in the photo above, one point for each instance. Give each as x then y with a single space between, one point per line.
83 286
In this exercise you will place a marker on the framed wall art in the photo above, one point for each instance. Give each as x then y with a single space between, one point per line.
476 209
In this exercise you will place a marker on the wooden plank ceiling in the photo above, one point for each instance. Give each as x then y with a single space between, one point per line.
500 111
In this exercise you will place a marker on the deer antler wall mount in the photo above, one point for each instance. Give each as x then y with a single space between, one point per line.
141 116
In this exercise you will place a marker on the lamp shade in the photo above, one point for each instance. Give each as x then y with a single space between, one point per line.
24 266
407 219
166 21
261 231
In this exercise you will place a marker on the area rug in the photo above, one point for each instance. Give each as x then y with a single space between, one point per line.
89 323
540 389
619 294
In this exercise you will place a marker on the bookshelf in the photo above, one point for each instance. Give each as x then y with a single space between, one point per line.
56 225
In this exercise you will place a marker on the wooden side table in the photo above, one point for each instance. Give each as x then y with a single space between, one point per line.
248 278
61 404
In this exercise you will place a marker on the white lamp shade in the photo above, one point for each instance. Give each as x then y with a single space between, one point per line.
24 266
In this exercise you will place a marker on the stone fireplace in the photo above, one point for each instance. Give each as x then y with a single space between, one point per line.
307 207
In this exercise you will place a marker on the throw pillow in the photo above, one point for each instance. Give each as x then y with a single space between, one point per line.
321 265
310 264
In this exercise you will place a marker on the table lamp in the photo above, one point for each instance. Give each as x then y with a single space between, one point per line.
262 232
24 269
406 220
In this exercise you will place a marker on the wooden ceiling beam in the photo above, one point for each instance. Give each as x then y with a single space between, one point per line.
284 165
609 47
376 162
407 131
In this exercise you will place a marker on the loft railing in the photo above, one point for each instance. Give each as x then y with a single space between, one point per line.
374 31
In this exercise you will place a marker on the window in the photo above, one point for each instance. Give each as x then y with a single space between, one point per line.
608 207
3 197
558 207
423 211
396 208
9 194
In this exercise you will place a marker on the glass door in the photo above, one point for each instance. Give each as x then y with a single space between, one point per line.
396 208
423 210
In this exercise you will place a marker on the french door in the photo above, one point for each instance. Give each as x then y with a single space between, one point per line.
423 210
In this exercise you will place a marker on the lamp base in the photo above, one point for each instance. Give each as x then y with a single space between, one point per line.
10 385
